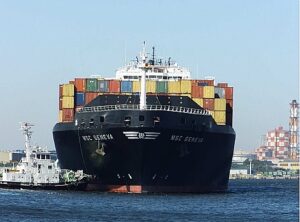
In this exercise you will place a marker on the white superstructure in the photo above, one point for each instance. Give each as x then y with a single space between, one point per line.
157 69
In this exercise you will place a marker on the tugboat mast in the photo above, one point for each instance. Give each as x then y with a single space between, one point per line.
25 127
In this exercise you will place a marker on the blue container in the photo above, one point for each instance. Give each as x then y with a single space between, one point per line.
202 84
126 86
103 85
79 99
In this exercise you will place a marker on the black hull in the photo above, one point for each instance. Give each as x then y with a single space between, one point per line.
170 157
80 186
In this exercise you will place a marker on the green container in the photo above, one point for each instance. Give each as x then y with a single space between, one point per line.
161 87
92 85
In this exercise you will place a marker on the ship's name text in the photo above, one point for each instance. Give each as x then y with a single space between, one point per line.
188 139
98 137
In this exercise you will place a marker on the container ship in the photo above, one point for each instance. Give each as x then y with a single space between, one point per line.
151 128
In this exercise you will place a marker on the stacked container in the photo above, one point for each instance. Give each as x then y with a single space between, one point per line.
66 103
218 100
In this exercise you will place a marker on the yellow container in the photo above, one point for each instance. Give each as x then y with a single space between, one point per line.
220 116
186 86
136 86
150 86
198 101
186 94
220 104
208 92
68 102
174 87
68 90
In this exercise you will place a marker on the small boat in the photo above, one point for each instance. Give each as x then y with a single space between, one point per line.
38 170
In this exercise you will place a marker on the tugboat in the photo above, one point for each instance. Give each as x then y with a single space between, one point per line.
37 170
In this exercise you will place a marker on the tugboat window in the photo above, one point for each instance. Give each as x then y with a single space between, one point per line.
141 118
101 119
127 121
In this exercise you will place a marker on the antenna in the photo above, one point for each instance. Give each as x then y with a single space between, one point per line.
153 55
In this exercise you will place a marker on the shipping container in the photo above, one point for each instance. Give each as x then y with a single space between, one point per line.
92 85
186 86
222 85
219 92
174 87
220 104
126 86
220 117
60 114
136 86
208 92
60 91
204 82
103 85
67 90
68 102
80 84
161 87
197 91
89 96
229 92
60 103
229 104
209 104
79 99
114 86
198 101
186 94
67 115
150 86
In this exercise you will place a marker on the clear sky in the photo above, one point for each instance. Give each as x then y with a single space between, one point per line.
251 44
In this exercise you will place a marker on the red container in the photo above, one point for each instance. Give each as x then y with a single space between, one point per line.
229 104
209 104
222 85
114 86
89 96
67 115
197 91
228 92
79 84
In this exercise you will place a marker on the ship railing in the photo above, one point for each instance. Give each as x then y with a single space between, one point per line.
177 109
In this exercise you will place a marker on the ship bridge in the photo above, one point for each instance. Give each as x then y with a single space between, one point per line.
157 69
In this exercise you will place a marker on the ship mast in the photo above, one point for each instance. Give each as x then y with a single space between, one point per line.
143 67
25 127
